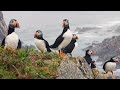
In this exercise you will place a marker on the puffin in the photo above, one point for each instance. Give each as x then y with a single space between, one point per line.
64 38
88 54
40 42
110 65
12 40
70 47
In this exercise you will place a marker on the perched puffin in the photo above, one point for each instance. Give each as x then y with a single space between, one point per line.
41 43
12 40
88 56
64 39
110 66
70 47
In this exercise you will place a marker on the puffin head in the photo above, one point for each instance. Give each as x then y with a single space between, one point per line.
75 37
14 23
90 52
38 34
65 23
115 59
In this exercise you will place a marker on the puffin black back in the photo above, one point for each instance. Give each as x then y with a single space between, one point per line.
59 39
69 48
10 30
87 57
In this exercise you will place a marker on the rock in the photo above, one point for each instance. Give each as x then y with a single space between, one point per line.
79 69
95 43
98 75
71 70
3 27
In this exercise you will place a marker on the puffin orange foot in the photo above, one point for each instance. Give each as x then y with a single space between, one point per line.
63 55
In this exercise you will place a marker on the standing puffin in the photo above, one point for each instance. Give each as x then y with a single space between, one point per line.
41 43
70 47
88 56
12 40
110 66
64 39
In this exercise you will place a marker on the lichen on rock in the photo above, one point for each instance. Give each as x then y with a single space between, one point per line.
71 70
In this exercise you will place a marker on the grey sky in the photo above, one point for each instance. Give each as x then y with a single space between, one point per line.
76 18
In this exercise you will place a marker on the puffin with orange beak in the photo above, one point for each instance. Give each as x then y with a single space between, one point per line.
63 39
71 46
88 55
40 42
12 40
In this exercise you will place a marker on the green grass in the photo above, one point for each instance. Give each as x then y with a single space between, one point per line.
28 64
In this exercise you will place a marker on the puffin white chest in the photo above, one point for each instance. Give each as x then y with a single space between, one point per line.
67 34
110 66
11 41
67 39
40 44
76 46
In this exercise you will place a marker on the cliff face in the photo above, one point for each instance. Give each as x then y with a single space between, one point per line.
75 70
3 27
79 69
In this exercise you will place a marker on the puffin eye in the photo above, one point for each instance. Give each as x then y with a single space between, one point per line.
90 52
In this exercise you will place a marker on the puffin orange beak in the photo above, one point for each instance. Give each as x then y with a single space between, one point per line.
94 52
76 37
17 25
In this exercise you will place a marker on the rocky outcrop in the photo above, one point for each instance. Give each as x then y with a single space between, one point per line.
3 27
71 70
79 69
98 75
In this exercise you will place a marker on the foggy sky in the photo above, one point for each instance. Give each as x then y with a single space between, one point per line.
55 17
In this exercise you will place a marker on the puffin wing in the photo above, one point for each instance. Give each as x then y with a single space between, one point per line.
47 46
19 44
88 59
104 66
69 48
75 46
3 42
57 42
